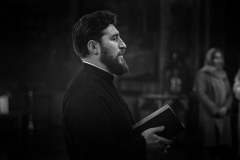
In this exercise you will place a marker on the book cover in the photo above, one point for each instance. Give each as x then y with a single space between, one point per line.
164 116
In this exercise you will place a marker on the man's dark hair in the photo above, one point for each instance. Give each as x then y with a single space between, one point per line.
90 27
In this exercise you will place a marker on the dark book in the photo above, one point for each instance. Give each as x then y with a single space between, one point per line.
164 116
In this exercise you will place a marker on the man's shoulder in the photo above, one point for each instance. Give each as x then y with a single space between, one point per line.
83 80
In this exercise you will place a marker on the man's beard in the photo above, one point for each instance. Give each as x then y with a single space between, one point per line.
112 63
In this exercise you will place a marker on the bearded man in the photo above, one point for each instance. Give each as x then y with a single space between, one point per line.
97 123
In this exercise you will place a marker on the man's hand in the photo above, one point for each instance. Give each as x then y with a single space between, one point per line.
155 143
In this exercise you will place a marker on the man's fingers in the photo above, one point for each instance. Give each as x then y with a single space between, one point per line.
158 129
165 141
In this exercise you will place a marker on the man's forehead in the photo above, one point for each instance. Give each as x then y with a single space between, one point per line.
110 30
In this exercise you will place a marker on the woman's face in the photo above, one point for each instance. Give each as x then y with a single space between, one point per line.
218 60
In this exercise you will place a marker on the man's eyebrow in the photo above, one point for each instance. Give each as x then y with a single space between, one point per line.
115 34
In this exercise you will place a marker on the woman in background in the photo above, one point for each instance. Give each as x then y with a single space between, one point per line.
215 99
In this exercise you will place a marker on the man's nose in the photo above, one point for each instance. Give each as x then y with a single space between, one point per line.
122 45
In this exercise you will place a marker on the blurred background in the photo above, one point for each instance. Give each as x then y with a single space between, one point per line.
166 44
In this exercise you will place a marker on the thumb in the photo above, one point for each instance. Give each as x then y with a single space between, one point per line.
158 129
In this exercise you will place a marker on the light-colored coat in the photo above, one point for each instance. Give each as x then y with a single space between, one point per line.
236 90
213 92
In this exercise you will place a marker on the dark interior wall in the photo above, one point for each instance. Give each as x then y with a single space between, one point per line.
36 54
232 42
34 38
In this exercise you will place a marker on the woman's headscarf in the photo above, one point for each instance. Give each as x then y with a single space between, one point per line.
209 66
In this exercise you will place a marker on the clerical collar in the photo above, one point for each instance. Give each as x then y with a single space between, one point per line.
97 66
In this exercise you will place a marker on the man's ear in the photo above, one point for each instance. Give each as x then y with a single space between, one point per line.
93 47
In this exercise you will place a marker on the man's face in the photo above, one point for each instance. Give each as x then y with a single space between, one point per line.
112 49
